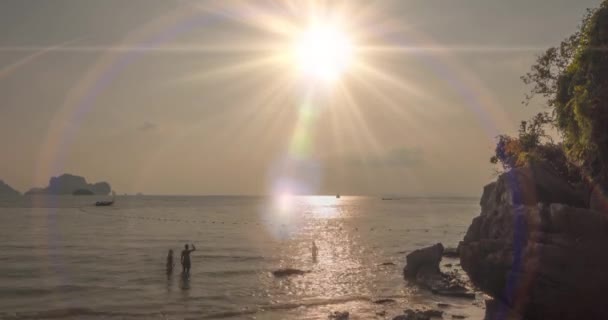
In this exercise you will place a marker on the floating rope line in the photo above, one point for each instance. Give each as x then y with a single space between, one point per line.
258 224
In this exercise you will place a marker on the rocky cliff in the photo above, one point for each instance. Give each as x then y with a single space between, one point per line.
68 184
6 190
537 249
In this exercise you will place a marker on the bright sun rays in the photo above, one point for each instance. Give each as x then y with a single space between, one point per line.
312 53
323 51
315 73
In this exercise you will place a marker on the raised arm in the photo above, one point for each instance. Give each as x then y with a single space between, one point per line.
193 247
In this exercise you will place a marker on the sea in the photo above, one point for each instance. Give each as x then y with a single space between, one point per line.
61 257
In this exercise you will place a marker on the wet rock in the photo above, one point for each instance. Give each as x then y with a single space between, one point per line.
433 313
410 314
451 252
288 272
423 268
598 199
536 251
339 315
425 259
384 301
465 294
387 264
496 310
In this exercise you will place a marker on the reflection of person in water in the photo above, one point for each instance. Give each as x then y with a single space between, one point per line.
314 250
170 263
186 259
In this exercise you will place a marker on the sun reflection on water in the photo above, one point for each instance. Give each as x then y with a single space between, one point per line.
338 271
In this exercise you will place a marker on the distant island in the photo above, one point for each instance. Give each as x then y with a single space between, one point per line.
83 192
6 190
68 184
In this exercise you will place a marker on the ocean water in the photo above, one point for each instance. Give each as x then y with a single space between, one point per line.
63 258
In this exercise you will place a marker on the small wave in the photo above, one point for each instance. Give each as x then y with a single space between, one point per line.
228 273
32 291
69 312
231 257
296 305
11 292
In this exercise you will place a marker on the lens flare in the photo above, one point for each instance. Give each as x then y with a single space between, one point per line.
323 52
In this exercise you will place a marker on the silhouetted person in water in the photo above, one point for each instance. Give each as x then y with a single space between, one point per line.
186 259
170 263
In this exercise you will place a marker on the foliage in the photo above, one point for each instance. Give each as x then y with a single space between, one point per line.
512 152
533 144
574 79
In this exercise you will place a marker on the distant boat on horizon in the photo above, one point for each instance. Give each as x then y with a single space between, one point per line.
104 203
338 196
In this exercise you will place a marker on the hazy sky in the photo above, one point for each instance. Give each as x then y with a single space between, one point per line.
184 97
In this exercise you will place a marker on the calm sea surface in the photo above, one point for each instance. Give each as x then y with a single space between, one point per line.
63 258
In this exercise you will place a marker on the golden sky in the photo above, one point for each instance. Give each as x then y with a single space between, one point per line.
255 97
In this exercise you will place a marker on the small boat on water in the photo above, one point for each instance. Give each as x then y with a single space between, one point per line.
104 203
338 196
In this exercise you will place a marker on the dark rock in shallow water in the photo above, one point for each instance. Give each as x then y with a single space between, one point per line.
540 260
433 313
387 264
288 272
425 259
384 301
455 293
423 268
339 315
410 314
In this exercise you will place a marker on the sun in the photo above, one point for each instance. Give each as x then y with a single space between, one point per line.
322 52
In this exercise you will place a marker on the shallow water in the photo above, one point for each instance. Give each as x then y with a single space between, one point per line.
61 257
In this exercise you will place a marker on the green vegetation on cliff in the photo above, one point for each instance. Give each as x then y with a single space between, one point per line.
573 78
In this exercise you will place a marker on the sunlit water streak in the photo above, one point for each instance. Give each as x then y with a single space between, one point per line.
78 261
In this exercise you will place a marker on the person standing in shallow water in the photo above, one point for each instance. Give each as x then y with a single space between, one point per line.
170 263
186 258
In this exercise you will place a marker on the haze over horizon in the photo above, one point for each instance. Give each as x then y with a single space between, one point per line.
190 97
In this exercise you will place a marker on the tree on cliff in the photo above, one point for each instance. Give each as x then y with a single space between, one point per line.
573 78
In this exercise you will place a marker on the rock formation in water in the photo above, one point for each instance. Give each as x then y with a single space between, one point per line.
422 268
68 184
6 190
537 249
280 273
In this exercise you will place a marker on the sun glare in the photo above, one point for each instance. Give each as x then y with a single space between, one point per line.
322 52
